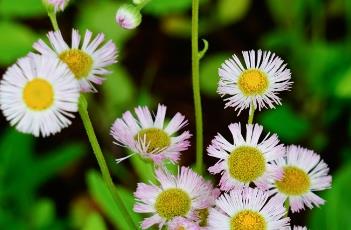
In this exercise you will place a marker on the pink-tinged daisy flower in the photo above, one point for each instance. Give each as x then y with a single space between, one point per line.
181 223
246 160
149 136
38 95
57 4
257 84
248 208
87 61
128 16
304 173
299 228
177 196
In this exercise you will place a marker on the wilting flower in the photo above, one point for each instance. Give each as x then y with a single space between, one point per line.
257 84
177 196
246 160
87 62
149 136
38 95
304 173
248 208
128 16
57 5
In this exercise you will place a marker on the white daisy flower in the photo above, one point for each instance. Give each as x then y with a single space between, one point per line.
150 137
257 84
38 95
304 173
177 196
248 208
87 61
246 160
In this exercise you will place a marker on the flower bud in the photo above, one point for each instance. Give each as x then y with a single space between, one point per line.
128 16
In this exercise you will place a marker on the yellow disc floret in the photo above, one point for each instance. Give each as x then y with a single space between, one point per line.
38 94
295 181
246 164
155 138
172 202
78 61
248 220
253 82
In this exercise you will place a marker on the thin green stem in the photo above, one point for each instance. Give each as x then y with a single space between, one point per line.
251 113
83 111
52 16
287 206
196 85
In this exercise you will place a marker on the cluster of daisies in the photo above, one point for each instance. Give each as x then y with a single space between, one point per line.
261 179
40 92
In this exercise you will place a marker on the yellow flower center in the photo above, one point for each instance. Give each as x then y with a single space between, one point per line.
253 82
181 228
172 202
79 62
157 139
246 164
248 220
203 215
295 181
38 94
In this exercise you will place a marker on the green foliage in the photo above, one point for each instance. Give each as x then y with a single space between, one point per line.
95 222
22 9
209 72
162 7
103 197
15 41
335 214
22 173
289 126
229 11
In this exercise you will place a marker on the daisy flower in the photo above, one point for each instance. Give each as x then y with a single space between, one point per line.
257 84
87 61
149 136
176 196
128 16
57 4
181 223
246 160
304 173
38 95
299 228
248 208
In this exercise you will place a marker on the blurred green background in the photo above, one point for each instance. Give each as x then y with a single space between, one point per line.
53 183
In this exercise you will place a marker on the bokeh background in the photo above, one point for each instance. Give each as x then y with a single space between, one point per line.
54 183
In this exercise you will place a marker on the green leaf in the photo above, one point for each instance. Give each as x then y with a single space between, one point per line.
335 214
43 214
99 16
162 7
343 87
144 168
95 222
21 8
103 197
209 72
289 126
15 41
230 11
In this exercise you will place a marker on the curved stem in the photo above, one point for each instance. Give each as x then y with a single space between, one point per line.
196 85
251 113
83 111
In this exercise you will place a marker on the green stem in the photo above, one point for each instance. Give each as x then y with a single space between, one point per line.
83 111
52 16
251 113
196 85
287 206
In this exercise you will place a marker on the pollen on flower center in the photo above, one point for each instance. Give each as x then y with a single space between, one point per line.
203 216
246 164
38 94
79 62
155 138
253 82
248 220
172 202
295 181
